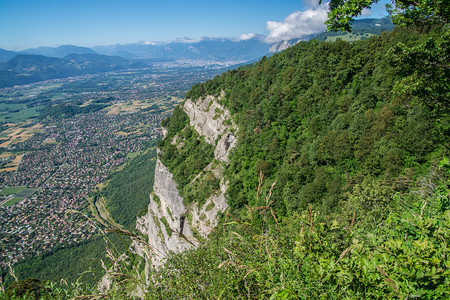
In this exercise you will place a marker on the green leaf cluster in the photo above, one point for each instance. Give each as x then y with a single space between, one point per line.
403 12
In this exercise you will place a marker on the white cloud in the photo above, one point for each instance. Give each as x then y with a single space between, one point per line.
187 40
366 12
247 36
298 24
311 3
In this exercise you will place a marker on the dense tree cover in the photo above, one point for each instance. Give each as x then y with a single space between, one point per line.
127 192
403 12
257 256
73 263
67 110
319 118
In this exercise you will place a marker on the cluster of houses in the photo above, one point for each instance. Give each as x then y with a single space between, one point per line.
83 151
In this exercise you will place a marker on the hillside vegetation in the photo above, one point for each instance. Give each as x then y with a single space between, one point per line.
323 118
339 184
338 187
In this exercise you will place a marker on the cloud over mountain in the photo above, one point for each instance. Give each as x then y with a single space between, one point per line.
299 24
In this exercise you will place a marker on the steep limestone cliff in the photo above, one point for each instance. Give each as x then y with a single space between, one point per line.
170 224
166 213
212 121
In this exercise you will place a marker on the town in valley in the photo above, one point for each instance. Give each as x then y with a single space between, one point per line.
62 138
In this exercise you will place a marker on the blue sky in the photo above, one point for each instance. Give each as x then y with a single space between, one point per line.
32 23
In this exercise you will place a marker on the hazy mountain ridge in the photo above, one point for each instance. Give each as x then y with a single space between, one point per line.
60 51
6 55
206 48
24 68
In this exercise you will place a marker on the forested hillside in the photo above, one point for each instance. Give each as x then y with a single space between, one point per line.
322 118
338 186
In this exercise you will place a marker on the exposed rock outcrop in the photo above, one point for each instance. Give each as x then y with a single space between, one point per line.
213 121
166 215
282 45
169 224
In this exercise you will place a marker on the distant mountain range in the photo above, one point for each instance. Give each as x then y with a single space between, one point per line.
219 49
60 51
25 68
44 63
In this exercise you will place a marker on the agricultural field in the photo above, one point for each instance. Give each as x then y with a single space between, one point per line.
18 112
12 165
151 105
11 190
13 195
18 133
349 37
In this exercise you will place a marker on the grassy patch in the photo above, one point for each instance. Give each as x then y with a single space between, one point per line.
210 206
169 212
166 225
156 199
25 193
349 37
13 201
202 217
12 190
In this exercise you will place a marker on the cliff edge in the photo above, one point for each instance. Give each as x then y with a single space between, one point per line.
171 224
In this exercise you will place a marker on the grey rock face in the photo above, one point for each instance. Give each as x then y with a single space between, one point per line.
213 121
224 145
168 204
169 224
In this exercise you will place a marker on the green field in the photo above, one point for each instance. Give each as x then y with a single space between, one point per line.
13 201
25 193
19 193
349 37
17 113
10 190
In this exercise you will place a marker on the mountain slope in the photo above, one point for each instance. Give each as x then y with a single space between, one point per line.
336 173
23 69
59 51
221 49
330 150
6 55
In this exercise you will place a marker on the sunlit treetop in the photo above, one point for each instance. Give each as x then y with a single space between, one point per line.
403 12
